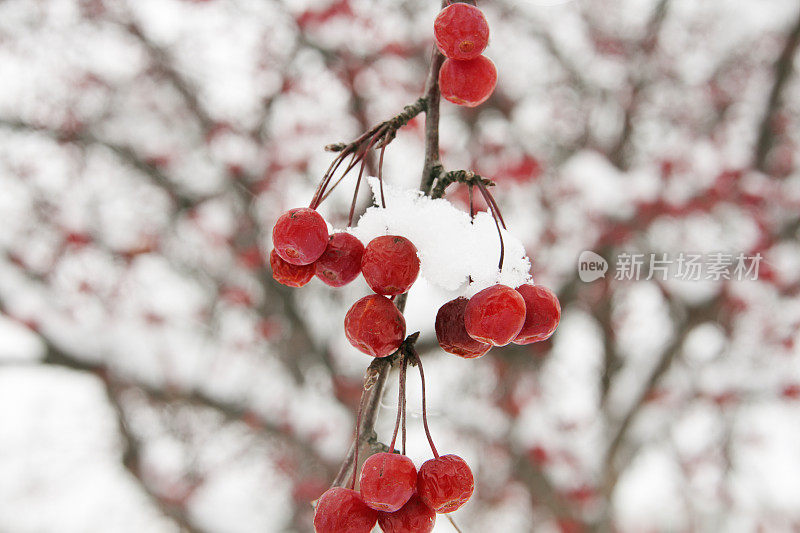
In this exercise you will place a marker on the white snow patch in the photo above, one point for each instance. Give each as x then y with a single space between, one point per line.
450 248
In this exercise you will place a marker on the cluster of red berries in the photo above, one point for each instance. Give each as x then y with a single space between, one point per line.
466 78
497 316
303 248
396 496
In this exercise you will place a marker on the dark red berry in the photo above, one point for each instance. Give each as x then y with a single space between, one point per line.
375 326
468 83
300 236
413 517
289 274
390 265
445 483
340 509
387 481
452 334
340 263
461 31
542 314
495 315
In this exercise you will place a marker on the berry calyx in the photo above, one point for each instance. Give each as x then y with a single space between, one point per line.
452 334
375 326
413 517
340 263
542 314
495 315
341 509
468 83
390 264
387 481
461 31
300 236
289 274
445 483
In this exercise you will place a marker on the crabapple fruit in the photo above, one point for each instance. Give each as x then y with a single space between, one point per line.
452 334
341 509
340 263
387 481
495 315
390 264
461 31
375 326
468 83
542 314
300 236
413 517
289 274
445 483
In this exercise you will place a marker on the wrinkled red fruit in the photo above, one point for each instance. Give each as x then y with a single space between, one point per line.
445 483
375 326
495 315
390 265
468 83
542 314
413 517
289 274
300 236
387 481
340 263
452 334
461 31
341 509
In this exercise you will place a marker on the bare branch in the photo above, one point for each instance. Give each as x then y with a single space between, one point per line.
125 153
783 71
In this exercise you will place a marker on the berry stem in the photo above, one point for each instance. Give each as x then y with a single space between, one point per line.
418 360
380 175
403 374
400 398
471 203
355 460
498 219
379 136
453 523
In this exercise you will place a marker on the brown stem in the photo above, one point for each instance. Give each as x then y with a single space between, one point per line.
401 394
381 367
783 71
424 405
355 461
498 220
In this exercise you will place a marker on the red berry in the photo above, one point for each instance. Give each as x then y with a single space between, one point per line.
413 517
468 83
390 265
461 31
300 236
289 274
341 509
542 313
452 334
375 326
387 481
341 262
495 315
445 483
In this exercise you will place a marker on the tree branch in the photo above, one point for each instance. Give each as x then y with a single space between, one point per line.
380 368
125 153
783 71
